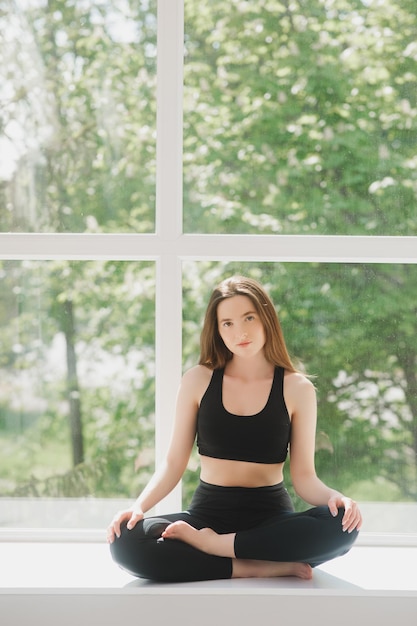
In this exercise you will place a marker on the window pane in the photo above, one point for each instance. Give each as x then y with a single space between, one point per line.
300 118
354 328
76 386
77 131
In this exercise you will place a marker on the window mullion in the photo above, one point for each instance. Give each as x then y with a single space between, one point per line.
168 229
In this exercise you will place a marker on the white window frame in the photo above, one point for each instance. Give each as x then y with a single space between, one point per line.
169 246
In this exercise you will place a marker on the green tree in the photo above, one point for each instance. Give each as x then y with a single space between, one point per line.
113 340
79 114
81 93
300 117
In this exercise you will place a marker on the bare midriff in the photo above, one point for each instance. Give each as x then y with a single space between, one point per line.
228 473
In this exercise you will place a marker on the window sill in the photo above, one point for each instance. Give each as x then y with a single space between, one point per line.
63 583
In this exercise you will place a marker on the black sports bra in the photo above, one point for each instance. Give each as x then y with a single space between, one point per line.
260 438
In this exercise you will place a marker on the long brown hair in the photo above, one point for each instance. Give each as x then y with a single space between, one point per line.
213 352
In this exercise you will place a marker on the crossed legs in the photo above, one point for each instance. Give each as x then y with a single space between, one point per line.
290 545
210 542
179 547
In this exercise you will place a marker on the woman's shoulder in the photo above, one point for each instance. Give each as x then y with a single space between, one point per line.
299 394
194 383
197 378
297 383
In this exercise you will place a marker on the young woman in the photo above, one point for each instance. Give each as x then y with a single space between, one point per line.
247 404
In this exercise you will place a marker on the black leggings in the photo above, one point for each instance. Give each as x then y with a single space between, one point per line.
266 527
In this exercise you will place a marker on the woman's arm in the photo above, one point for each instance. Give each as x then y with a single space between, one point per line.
175 463
301 401
181 443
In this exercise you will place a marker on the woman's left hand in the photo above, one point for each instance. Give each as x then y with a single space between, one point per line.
352 518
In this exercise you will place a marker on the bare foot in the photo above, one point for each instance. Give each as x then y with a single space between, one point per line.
205 539
270 569
210 542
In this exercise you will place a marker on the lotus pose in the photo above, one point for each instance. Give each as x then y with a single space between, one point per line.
247 406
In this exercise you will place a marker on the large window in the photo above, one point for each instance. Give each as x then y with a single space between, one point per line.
278 142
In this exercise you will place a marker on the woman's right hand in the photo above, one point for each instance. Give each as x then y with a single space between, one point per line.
132 516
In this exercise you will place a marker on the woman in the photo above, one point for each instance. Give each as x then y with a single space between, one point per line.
247 404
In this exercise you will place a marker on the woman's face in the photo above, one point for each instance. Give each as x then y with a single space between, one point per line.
240 326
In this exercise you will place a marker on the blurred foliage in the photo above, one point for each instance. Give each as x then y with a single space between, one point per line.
299 118
115 337
77 482
77 119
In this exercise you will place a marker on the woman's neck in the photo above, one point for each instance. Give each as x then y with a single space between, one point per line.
249 369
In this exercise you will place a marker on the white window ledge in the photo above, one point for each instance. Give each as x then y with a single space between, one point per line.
67 584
